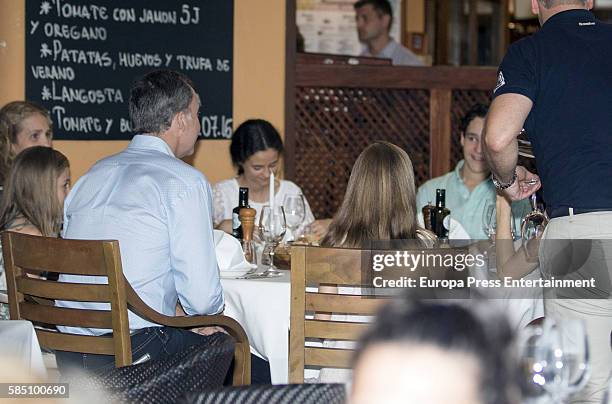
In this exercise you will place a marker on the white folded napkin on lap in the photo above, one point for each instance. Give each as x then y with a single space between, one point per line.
230 257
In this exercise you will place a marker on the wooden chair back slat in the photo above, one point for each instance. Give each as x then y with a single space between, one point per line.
75 343
326 357
77 257
38 313
333 329
81 292
327 265
351 304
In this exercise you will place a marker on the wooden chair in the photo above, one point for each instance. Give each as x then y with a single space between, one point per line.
32 299
313 266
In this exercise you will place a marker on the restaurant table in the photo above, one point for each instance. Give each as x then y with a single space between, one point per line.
261 306
18 343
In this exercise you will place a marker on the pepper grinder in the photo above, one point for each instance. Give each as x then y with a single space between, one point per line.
247 219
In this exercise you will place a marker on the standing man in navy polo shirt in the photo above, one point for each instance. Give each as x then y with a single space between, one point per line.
557 85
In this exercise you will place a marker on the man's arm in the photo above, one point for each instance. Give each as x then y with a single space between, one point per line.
192 252
505 120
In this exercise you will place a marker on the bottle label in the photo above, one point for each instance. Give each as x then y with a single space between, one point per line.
235 221
446 222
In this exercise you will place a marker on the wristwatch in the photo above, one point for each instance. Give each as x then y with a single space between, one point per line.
501 185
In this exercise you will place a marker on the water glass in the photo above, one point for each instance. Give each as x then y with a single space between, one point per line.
295 212
489 221
555 358
272 228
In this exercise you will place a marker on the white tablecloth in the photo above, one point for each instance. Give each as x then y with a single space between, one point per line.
261 306
18 343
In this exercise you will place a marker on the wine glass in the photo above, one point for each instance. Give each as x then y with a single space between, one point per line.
295 212
272 228
532 353
556 358
489 223
533 224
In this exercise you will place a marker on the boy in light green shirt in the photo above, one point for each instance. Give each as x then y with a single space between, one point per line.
469 188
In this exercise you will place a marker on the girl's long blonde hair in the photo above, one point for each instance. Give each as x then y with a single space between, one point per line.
380 200
31 190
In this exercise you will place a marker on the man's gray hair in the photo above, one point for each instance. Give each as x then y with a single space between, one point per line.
554 3
156 98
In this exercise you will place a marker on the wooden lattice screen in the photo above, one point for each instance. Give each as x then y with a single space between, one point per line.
335 124
339 110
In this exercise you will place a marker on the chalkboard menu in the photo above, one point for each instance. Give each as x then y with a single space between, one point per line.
82 57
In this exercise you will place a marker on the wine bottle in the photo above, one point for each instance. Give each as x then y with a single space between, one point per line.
441 215
243 202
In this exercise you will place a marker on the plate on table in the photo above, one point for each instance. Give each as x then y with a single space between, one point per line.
237 271
234 273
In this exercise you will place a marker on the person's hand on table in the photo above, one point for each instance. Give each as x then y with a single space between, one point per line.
225 225
319 227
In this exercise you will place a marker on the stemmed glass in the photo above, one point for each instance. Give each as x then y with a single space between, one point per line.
533 224
272 228
489 223
555 358
295 212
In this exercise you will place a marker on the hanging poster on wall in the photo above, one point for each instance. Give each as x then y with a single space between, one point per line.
328 26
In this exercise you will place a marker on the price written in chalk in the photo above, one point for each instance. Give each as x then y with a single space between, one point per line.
213 127
216 127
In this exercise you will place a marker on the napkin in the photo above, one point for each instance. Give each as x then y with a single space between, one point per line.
229 255
456 231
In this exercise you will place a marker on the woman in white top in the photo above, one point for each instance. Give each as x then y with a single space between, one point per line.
255 150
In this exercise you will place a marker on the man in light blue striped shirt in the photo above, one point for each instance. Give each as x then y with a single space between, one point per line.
160 210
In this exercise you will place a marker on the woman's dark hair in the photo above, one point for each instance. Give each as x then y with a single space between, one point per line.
253 136
478 331
475 111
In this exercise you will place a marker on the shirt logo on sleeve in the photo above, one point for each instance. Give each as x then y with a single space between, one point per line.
500 81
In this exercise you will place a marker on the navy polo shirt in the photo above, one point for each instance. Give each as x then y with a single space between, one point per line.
566 70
